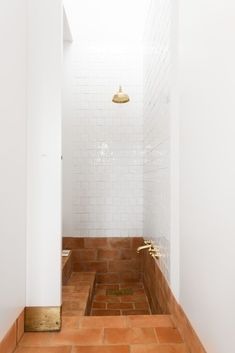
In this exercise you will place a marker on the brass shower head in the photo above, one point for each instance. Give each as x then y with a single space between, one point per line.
120 97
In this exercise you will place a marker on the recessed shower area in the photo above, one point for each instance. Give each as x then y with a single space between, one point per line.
116 157
103 277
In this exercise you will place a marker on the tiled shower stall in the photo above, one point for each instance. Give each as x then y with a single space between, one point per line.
116 157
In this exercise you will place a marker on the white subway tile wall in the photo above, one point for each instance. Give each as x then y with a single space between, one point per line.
102 141
156 128
116 167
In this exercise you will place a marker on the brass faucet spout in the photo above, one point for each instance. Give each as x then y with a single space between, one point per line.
148 246
154 250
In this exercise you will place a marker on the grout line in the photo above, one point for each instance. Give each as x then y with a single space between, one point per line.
103 336
126 321
155 332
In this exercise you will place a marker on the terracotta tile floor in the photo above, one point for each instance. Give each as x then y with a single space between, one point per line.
105 334
116 334
120 299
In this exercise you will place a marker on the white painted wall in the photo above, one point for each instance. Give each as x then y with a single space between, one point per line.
45 28
207 170
102 141
13 161
67 35
160 136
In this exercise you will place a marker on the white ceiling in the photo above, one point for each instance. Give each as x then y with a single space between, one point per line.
107 20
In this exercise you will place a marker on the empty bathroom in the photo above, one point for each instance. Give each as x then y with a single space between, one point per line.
117 178
103 153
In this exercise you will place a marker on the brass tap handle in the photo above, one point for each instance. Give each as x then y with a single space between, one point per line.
148 242
155 252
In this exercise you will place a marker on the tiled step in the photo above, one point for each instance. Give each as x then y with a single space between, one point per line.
81 277
124 334
77 294
67 265
141 321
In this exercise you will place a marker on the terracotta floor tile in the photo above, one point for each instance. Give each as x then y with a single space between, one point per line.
80 288
102 321
107 286
113 299
135 312
107 298
82 336
74 280
134 286
102 312
76 283
138 291
100 305
82 276
75 296
8 344
99 266
43 350
150 321
74 305
120 306
155 348
133 298
129 335
168 335
133 304
36 339
72 313
101 349
100 291
68 289
70 322
143 305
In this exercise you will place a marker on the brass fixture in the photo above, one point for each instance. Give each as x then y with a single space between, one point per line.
148 245
120 97
42 318
154 250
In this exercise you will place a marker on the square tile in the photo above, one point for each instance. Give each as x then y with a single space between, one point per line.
82 336
103 322
129 336
43 350
155 348
168 335
36 339
150 321
101 349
